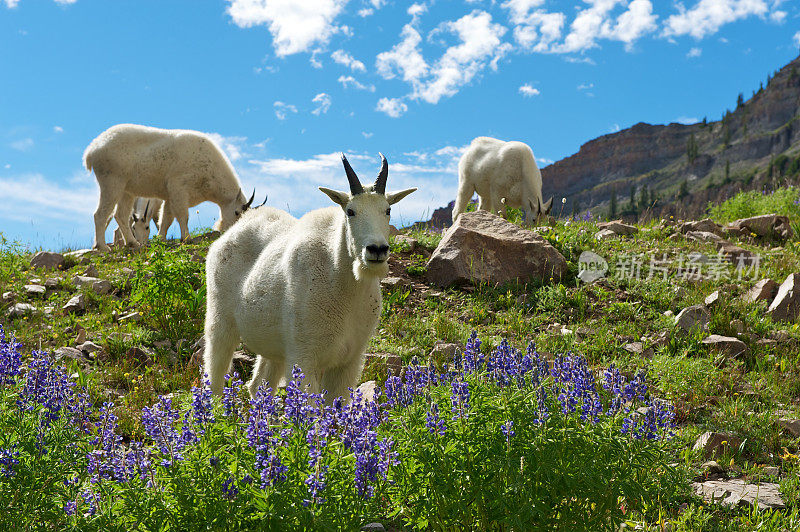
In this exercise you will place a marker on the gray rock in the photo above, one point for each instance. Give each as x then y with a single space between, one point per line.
139 355
712 298
76 304
89 347
393 282
619 228
35 289
71 353
52 283
707 225
21 309
732 347
8 297
738 256
713 468
764 290
82 255
791 425
444 351
48 260
694 317
605 234
786 305
373 527
367 390
712 443
704 237
81 337
482 246
384 362
739 493
769 226
91 271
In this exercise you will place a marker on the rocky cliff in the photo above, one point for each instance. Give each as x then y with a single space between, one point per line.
682 167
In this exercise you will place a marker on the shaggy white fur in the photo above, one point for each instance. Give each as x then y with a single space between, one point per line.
181 167
301 292
504 174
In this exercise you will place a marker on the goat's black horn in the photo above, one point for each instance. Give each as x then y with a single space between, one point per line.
146 208
352 178
263 202
250 201
380 183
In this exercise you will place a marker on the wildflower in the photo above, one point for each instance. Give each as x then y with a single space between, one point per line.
432 421
459 397
8 459
69 507
229 489
230 397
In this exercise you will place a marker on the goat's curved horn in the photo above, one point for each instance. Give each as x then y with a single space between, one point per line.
380 183
263 202
146 208
352 178
250 201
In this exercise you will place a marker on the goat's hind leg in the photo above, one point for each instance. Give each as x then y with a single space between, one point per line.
105 209
123 218
221 340
270 371
336 381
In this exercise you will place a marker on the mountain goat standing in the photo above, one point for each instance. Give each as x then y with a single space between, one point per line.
301 292
145 210
504 174
181 167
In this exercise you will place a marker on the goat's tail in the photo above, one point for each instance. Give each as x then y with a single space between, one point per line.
87 158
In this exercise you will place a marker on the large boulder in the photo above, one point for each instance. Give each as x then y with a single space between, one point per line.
764 290
737 492
732 347
786 305
769 226
482 246
47 260
707 225
694 317
618 227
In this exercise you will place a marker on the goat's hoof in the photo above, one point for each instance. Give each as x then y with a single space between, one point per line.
102 248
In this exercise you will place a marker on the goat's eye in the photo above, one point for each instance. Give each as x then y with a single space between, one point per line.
388 211
351 212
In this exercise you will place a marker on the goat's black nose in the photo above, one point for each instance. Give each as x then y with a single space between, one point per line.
378 250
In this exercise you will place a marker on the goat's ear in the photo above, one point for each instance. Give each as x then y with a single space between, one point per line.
548 206
394 197
338 197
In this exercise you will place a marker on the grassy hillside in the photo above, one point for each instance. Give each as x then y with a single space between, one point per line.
620 320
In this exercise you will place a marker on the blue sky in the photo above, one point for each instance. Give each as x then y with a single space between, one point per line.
285 85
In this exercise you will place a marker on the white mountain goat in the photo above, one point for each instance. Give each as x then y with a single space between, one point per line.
301 292
504 174
181 167
145 210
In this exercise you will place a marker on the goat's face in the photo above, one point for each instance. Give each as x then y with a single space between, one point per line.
366 213
141 228
234 210
540 212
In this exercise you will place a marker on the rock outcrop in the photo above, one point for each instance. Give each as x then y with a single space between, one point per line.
484 247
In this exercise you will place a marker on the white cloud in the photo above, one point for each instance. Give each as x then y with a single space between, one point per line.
323 101
778 16
58 129
796 39
365 12
11 4
234 147
706 17
614 128
480 45
393 107
32 193
65 2
295 26
22 144
632 24
404 58
367 134
694 52
282 110
528 90
343 58
585 86
417 9
687 120
350 81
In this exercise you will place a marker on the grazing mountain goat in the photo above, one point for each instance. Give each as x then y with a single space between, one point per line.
145 210
179 166
301 292
504 174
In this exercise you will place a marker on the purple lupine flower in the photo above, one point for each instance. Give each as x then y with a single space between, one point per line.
317 439
261 437
8 459
70 507
229 489
159 423
231 403
459 397
434 424
91 499
10 360
202 411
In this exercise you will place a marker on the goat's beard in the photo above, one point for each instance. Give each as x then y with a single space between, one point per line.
363 270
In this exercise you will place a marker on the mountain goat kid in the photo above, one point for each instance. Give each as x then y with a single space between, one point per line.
301 292
504 174
181 167
145 210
